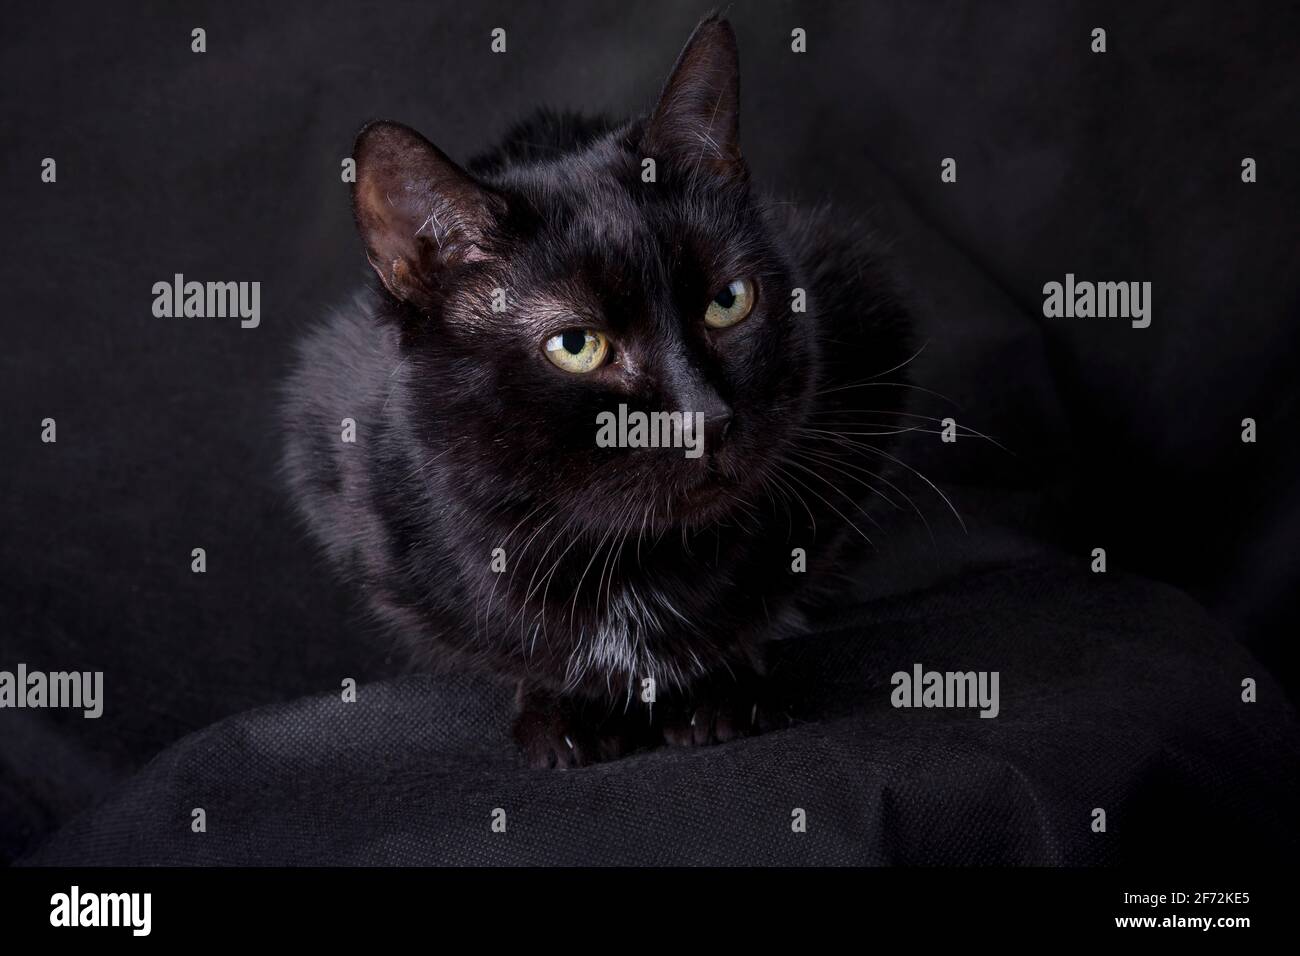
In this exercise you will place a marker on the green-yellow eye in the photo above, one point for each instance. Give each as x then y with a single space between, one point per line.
731 304
577 350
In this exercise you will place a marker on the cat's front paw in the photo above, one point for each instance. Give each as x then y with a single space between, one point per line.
554 733
719 714
547 741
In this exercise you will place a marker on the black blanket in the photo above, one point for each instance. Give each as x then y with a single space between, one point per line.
1115 695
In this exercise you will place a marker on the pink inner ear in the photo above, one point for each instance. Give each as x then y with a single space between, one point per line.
418 212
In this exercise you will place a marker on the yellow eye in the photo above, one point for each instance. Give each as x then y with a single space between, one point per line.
731 304
577 350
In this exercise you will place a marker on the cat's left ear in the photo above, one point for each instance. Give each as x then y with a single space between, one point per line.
696 123
421 216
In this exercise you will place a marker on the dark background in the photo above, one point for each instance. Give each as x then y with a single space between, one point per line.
225 166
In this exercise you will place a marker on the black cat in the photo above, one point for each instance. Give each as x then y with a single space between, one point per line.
582 266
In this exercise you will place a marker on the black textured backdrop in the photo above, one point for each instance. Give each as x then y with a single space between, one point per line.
1118 691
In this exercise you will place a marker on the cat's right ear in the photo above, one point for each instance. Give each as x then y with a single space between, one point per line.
419 214
697 119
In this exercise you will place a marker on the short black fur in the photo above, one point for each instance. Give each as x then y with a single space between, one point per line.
620 564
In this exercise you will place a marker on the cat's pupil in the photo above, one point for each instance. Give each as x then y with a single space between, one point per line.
726 298
573 341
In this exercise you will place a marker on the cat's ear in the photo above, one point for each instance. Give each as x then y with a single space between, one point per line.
697 120
419 214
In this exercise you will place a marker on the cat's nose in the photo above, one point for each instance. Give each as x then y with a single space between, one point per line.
717 418
688 390
716 426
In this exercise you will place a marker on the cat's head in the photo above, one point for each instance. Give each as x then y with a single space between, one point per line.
636 268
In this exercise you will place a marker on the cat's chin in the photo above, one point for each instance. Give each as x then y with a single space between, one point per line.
694 508
708 502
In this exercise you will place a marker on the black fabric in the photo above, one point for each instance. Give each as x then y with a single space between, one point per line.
1100 708
1120 691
